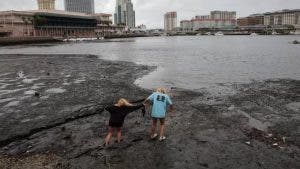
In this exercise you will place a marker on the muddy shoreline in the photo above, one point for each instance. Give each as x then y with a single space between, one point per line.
51 116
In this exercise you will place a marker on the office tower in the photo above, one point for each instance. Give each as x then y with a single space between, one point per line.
124 13
170 21
82 6
46 4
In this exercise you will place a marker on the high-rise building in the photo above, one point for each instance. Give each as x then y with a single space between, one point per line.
82 6
46 4
124 13
223 15
170 21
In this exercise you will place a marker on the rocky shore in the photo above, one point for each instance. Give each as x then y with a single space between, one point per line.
52 116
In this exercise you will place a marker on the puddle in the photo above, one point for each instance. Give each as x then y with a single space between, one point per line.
37 118
30 92
44 97
35 104
5 74
37 86
78 81
255 123
6 100
28 81
12 104
3 92
66 84
252 122
3 85
24 97
55 90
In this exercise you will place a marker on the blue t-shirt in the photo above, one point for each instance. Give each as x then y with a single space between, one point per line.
160 102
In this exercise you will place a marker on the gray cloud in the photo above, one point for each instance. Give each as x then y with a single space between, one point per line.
150 12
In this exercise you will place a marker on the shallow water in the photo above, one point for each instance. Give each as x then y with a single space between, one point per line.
191 62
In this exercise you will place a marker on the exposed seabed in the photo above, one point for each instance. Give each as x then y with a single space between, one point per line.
52 116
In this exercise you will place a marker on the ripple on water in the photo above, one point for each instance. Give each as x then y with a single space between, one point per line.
55 90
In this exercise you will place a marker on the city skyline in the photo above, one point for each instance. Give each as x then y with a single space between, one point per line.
151 13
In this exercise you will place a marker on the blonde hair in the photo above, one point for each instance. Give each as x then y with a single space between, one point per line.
161 90
123 102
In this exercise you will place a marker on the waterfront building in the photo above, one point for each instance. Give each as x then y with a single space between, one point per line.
223 15
216 20
186 25
16 24
81 6
124 13
212 24
282 18
170 21
252 20
104 25
54 23
46 4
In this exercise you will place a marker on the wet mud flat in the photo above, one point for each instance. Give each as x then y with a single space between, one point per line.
52 116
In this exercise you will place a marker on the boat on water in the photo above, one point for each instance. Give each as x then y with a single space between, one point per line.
219 34
254 34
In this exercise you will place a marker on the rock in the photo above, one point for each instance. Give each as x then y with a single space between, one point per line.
296 42
37 94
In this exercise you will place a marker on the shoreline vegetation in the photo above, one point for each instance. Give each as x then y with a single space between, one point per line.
52 116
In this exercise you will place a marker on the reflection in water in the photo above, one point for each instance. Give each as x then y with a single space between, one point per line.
192 62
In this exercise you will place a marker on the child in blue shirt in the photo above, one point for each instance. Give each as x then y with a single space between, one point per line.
160 102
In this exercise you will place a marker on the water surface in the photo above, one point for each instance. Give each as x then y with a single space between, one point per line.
191 62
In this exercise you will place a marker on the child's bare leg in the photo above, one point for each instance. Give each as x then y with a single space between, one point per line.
162 127
109 135
153 127
119 134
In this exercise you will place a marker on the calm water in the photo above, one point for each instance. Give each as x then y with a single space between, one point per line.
192 62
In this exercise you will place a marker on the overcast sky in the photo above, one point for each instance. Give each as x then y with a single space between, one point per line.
150 12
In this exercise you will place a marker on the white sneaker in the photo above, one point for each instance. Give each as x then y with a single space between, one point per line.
154 136
162 138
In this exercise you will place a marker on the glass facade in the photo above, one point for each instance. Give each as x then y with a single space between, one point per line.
82 6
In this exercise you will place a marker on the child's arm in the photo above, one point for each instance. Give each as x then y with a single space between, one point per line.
129 109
